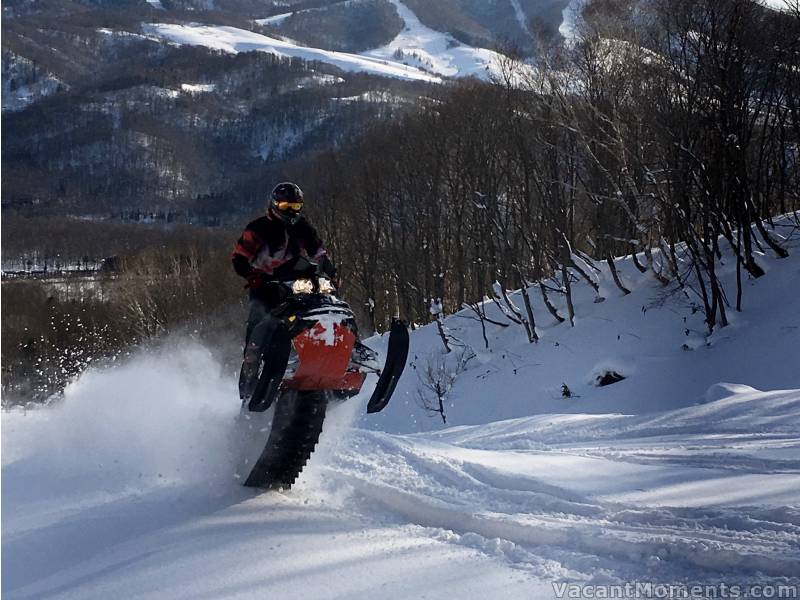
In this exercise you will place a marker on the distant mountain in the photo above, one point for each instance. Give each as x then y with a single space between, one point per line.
126 104
356 25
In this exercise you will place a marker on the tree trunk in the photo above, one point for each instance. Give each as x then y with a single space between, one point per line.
613 267
551 309
568 294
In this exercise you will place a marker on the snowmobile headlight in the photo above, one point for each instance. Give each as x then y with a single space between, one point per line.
302 286
325 286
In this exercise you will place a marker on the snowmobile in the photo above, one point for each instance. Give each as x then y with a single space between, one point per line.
313 359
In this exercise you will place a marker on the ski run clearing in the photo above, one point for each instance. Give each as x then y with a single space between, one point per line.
418 53
686 472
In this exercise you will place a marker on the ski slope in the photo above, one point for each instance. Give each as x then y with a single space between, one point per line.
418 53
433 51
235 40
686 472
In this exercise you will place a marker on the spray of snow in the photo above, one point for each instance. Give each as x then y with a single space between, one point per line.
337 436
164 416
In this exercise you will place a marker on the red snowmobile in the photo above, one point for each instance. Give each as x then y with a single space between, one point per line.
314 359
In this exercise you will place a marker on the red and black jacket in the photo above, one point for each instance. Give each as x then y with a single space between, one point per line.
268 244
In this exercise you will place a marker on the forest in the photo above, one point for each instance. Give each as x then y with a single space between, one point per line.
665 127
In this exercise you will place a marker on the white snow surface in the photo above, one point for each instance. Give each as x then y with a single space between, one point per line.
686 472
418 52
420 46
197 88
522 18
234 40
275 19
786 5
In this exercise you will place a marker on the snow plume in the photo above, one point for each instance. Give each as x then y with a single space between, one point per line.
336 437
165 416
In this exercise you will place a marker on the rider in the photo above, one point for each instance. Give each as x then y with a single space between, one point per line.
263 254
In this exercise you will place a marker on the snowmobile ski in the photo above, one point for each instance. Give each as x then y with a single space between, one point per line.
396 356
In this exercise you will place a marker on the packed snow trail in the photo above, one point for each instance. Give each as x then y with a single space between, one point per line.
689 493
522 18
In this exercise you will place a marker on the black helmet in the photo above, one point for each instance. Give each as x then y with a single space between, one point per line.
287 201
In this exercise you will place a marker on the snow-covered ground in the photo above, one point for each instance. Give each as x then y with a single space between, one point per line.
781 4
431 50
197 88
275 19
522 18
687 472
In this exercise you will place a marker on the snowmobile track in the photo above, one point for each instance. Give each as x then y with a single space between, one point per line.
295 431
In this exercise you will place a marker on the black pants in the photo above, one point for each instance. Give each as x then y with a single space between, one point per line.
261 323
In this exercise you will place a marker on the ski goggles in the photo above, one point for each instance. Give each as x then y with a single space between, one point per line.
293 206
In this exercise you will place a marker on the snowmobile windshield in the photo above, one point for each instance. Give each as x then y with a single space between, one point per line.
297 268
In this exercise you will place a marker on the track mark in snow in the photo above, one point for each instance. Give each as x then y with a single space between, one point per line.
714 550
494 496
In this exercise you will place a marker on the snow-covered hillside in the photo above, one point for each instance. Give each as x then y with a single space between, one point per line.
433 51
687 472
418 53
232 39
655 336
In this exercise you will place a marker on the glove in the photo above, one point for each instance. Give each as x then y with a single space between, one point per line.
255 280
